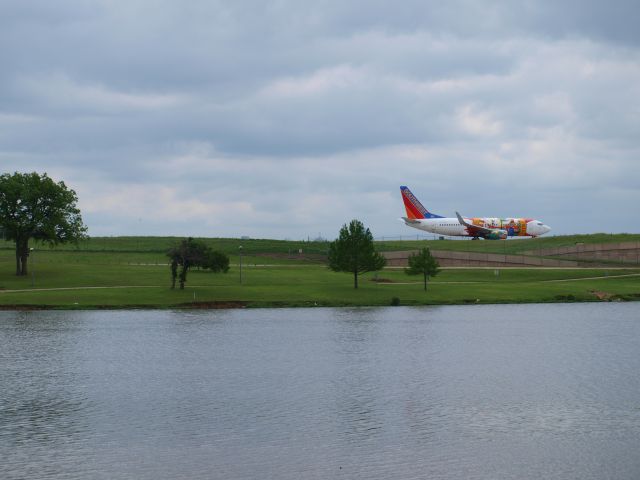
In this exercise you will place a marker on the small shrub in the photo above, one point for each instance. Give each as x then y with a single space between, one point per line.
395 301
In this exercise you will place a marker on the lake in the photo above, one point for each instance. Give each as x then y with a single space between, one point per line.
454 392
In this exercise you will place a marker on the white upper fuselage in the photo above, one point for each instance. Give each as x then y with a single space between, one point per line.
515 227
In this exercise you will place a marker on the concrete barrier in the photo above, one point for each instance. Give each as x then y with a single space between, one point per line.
622 252
448 258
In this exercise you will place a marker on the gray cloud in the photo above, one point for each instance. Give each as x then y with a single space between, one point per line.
285 119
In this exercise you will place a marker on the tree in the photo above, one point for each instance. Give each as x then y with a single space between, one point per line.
185 254
353 251
216 262
34 206
189 253
423 263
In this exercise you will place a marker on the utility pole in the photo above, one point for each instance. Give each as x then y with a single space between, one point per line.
33 266
240 250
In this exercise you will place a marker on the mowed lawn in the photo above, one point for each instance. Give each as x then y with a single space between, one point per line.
67 279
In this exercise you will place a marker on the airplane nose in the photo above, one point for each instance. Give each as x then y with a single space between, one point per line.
537 228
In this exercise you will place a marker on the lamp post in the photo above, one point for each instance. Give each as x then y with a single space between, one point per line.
33 266
240 250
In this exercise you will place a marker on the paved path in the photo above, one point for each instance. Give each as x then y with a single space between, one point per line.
77 288
530 281
379 283
592 278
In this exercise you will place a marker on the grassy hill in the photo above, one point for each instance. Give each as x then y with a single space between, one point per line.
162 244
291 247
510 247
132 272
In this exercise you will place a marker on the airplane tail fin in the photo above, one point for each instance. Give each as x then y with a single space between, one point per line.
415 210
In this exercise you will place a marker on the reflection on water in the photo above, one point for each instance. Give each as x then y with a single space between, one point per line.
536 391
356 384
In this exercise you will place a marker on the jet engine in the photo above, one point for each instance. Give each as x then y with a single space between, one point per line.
497 234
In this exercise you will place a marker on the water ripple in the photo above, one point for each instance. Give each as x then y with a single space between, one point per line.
477 392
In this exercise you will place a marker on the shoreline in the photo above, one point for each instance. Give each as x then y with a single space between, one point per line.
236 305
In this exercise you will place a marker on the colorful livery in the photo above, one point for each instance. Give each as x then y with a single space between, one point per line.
489 228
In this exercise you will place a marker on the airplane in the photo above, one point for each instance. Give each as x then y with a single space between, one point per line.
488 228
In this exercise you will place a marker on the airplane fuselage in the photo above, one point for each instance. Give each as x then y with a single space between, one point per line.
489 228
502 227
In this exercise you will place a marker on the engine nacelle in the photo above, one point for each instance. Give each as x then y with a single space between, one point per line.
497 235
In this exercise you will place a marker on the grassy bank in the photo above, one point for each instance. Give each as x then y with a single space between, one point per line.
99 279
513 247
159 245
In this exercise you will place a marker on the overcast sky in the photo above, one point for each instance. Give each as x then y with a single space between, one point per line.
286 119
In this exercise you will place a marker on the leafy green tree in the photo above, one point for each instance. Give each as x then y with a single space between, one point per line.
353 251
184 254
190 253
34 206
216 262
423 263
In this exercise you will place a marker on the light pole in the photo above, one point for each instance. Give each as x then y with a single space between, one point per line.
33 266
240 250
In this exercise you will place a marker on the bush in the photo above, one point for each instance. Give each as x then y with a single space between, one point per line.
395 301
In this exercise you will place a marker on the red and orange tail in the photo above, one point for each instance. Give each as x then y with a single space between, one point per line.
415 210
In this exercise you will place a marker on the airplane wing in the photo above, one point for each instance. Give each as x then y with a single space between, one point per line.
473 229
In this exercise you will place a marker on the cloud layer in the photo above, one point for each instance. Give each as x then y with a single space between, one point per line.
285 120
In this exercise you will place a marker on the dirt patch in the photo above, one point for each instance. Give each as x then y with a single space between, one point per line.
382 280
601 295
310 257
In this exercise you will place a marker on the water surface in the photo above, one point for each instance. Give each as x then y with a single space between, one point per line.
475 392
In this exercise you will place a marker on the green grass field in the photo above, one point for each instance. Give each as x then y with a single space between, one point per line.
123 277
511 247
161 245
230 246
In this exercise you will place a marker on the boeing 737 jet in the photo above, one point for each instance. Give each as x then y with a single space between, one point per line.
488 228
